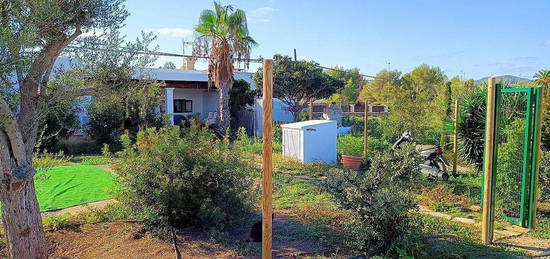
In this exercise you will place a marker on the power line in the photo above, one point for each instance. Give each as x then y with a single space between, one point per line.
167 54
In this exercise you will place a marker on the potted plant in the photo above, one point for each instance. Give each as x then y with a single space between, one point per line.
351 150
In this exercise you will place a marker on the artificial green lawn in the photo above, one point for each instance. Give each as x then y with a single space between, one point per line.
65 186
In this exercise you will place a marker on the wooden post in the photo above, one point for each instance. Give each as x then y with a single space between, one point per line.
488 209
455 139
366 130
267 208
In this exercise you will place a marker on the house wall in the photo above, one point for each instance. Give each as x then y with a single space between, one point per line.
196 95
280 114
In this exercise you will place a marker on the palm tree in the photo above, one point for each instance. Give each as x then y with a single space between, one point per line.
222 36
542 78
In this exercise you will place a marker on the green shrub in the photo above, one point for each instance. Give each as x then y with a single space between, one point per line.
544 176
357 123
255 145
509 169
49 160
187 178
380 203
350 145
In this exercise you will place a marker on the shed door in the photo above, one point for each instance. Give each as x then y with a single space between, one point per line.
292 145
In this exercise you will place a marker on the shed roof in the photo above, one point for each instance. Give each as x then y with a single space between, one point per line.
303 124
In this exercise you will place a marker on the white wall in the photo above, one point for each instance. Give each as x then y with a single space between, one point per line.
196 95
280 114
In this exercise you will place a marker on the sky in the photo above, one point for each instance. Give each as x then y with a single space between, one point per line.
466 38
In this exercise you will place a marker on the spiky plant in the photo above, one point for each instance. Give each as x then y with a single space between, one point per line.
542 78
222 36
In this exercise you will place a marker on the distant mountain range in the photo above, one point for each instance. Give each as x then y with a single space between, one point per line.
508 79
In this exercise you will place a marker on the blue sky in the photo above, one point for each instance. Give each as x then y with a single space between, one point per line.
470 38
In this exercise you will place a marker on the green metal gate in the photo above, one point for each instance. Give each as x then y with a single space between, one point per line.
515 154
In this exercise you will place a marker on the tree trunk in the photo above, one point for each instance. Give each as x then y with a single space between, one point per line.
224 117
21 217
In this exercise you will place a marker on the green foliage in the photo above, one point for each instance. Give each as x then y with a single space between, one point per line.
296 83
240 96
255 145
544 176
509 170
188 178
380 202
45 159
353 81
350 145
416 100
107 119
471 127
59 121
357 123
169 65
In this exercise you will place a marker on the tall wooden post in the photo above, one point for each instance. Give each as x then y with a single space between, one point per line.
488 205
366 130
267 208
455 138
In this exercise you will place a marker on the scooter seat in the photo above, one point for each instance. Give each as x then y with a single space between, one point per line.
420 148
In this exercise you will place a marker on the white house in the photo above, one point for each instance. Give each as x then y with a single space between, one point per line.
186 94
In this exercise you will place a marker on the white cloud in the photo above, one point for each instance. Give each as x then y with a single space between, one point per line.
173 32
261 14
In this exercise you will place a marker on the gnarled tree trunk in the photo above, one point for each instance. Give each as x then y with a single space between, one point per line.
21 217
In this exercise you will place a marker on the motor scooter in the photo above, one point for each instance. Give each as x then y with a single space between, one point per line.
435 166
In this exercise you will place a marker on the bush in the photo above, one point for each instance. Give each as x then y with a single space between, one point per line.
49 160
544 176
380 203
179 179
255 145
358 124
350 145
509 169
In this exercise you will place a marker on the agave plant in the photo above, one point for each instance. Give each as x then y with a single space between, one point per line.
471 126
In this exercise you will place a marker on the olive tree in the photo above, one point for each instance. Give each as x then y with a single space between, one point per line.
32 36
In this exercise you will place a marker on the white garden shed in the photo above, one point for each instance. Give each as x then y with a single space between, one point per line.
310 141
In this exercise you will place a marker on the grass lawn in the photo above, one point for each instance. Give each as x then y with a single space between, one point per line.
65 186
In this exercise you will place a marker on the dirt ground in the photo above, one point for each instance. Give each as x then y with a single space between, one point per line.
125 240
122 240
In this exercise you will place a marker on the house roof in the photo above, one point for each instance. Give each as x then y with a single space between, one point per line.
180 75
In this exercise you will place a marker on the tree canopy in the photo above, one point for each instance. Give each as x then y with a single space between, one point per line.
296 83
353 81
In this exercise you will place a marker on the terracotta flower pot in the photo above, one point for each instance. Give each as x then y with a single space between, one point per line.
352 162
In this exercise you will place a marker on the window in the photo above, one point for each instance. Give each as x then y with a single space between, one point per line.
183 106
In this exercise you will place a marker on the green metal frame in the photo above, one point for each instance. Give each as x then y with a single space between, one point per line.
530 153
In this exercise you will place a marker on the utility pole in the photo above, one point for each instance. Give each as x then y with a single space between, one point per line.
295 57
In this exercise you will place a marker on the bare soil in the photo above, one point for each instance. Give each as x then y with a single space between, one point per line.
127 240
124 240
